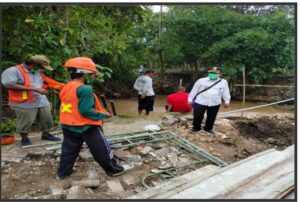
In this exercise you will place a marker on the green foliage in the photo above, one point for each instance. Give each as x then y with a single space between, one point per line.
124 37
103 72
8 125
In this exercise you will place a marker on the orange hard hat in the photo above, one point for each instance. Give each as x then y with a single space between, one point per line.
81 63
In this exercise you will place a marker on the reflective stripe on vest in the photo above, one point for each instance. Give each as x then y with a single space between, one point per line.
18 96
69 113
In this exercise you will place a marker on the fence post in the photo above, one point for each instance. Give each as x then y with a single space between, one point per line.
244 89
112 104
180 83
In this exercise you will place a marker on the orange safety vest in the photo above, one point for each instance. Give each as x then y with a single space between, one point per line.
69 113
18 96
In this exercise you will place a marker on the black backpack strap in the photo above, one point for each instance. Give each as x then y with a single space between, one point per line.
207 89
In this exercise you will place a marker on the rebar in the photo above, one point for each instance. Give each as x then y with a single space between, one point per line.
168 171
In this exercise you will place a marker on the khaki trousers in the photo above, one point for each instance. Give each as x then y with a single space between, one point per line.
26 117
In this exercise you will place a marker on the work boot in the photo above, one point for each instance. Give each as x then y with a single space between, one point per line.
25 142
209 132
50 137
119 170
193 131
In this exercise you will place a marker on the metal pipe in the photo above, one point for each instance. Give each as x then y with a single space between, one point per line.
139 143
268 86
196 150
256 107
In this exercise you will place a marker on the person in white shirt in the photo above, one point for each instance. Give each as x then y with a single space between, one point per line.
209 100
146 95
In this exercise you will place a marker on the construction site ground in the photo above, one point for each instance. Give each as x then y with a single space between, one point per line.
235 138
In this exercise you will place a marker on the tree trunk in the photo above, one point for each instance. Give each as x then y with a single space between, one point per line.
120 62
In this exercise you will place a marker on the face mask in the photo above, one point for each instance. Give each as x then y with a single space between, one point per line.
34 71
213 76
88 80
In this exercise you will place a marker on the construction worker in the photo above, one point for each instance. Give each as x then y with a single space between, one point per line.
81 115
178 102
27 96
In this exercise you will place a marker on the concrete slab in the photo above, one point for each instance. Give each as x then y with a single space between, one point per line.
226 180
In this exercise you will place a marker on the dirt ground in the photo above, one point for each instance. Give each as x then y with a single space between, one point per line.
234 139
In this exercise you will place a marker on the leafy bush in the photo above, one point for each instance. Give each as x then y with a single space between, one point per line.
8 125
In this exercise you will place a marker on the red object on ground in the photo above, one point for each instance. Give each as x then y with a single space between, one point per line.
179 101
7 140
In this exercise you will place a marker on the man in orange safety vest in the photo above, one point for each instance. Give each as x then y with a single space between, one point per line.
27 96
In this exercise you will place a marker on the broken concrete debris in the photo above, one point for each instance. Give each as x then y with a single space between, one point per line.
169 120
87 183
272 141
128 181
76 192
92 175
115 186
86 155
159 145
127 156
146 150
57 191
13 158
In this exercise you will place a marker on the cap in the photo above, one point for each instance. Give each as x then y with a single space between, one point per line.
216 70
43 61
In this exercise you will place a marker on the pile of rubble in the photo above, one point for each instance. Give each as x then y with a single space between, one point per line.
161 154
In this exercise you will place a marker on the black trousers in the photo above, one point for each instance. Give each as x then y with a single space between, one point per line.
199 111
146 103
98 145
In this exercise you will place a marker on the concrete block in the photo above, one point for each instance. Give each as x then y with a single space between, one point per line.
49 196
183 121
128 181
162 152
57 191
126 156
75 192
146 150
93 175
121 154
115 186
134 159
86 155
87 183
159 145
